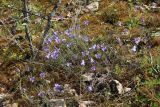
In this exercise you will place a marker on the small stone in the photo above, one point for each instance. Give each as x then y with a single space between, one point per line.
86 104
48 81
2 89
57 103
156 34
155 9
12 105
88 77
3 96
85 10
67 87
93 6
126 89
117 88
69 90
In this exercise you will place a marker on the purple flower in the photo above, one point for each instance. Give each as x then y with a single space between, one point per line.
55 54
71 36
134 48
32 79
98 46
86 22
68 33
69 45
56 37
104 48
57 40
93 47
48 55
142 20
48 40
46 48
118 40
90 88
83 63
92 60
85 53
137 40
42 75
78 27
69 64
93 68
55 33
85 38
57 87
119 23
41 94
98 56
125 32
71 29
136 8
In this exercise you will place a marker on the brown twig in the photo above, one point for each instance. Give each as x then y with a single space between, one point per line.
48 26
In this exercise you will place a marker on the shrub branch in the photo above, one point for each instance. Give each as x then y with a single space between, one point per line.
26 20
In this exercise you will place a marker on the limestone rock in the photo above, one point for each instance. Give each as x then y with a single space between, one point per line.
86 104
57 103
93 6
69 90
127 89
4 96
12 105
155 34
88 77
117 88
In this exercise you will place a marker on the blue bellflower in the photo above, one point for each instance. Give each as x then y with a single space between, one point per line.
58 87
83 63
32 79
98 56
134 48
86 22
90 88
42 75
93 68
41 94
55 54
57 40
137 40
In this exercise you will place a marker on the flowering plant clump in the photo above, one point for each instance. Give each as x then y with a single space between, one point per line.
63 50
